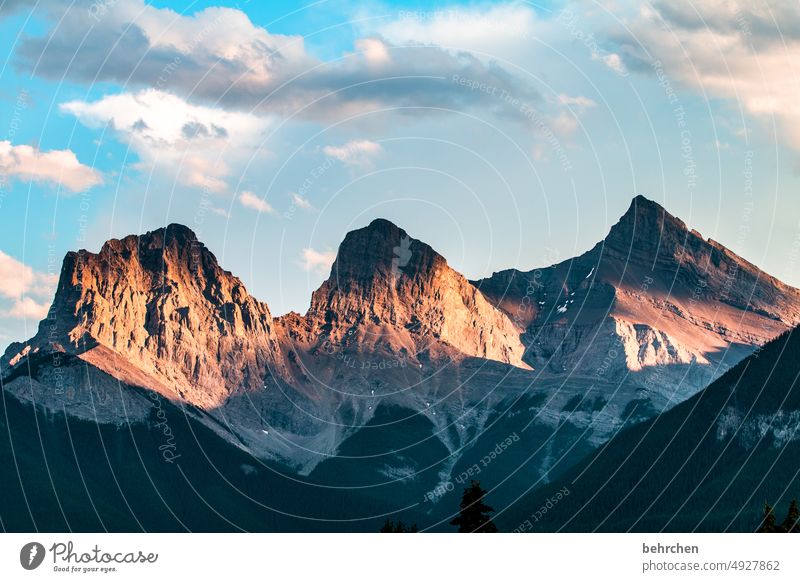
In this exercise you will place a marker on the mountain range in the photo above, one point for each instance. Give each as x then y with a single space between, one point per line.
401 376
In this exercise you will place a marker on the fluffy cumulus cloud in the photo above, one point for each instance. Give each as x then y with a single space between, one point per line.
198 144
250 200
28 291
218 55
744 52
59 167
318 261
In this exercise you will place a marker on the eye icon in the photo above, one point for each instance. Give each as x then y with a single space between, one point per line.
31 555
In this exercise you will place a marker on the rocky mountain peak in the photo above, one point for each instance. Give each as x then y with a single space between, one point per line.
385 279
647 227
168 250
382 251
162 302
379 267
167 262
655 293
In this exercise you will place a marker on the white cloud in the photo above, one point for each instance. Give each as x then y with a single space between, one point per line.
217 55
56 166
17 279
613 61
320 261
27 308
568 119
579 102
132 42
300 202
198 144
375 51
354 153
491 30
744 52
19 282
500 35
250 200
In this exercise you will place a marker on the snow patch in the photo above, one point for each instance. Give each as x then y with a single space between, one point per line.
398 473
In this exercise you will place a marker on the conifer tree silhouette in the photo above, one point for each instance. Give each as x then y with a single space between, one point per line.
474 514
768 521
790 524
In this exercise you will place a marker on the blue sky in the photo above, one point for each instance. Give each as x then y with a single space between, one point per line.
503 134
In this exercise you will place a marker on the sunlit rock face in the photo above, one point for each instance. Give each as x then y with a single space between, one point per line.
654 302
160 304
397 293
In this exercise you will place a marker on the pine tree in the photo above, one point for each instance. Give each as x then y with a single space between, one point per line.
768 522
474 515
388 526
790 524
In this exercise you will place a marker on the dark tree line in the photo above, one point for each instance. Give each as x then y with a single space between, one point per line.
789 525
473 516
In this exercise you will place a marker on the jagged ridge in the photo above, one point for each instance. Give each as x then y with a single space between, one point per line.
651 294
638 319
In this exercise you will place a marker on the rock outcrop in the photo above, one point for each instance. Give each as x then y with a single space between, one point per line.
390 292
161 304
